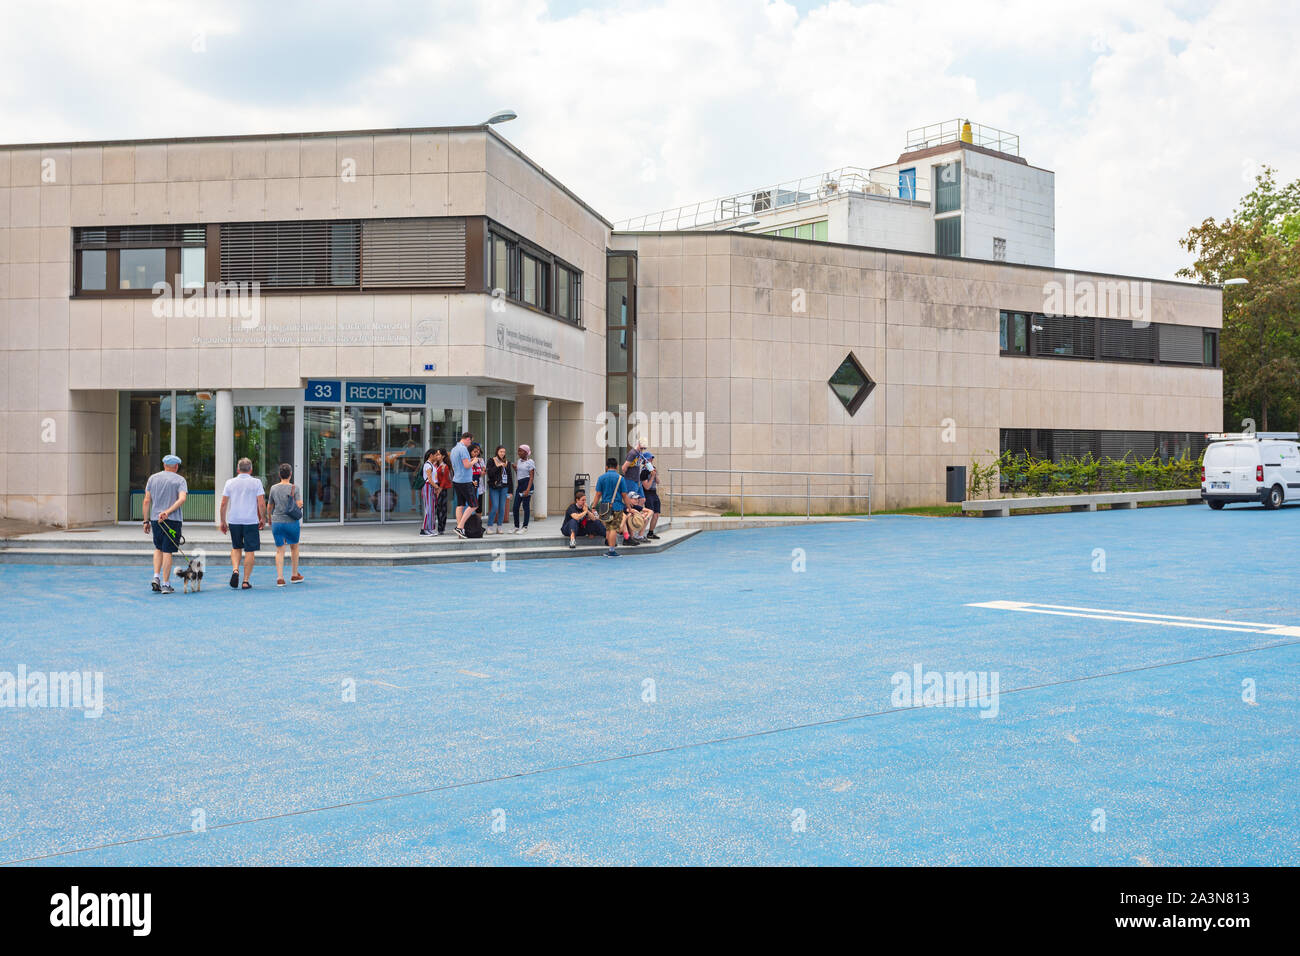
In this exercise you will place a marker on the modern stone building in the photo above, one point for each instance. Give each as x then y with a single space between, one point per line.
343 300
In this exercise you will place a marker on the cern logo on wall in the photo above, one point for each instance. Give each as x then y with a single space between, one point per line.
501 336
427 331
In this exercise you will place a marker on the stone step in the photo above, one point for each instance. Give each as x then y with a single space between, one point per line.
210 542
377 555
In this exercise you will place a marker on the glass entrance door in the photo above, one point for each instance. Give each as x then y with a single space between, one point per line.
363 473
403 458
321 437
364 461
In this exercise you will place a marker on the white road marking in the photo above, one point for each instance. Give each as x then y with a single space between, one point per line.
1144 617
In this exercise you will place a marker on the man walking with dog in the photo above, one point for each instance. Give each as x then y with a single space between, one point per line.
243 510
164 494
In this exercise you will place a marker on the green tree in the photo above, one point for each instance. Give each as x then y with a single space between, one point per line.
1260 345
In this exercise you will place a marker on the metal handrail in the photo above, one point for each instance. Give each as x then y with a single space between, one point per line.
766 201
949 131
808 495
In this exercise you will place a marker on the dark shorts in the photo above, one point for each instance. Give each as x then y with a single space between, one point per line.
285 532
245 537
466 493
162 541
652 501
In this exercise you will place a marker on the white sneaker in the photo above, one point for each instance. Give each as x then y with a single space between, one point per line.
498 529
515 531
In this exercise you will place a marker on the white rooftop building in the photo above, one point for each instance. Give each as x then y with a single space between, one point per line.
957 189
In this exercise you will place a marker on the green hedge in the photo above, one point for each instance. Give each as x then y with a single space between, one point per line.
1021 474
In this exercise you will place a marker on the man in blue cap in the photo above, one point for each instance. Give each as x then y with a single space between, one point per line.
164 494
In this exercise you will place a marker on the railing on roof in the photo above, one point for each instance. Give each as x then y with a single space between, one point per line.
771 202
949 131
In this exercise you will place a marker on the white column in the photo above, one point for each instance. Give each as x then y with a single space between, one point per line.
225 442
541 425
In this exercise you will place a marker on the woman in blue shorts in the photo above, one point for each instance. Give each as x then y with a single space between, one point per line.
284 501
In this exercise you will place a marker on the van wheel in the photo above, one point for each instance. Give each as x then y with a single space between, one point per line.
1275 498
1215 505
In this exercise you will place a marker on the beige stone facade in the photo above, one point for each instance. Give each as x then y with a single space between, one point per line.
743 330
719 332
66 357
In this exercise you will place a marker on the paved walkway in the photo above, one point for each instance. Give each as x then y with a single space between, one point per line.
732 701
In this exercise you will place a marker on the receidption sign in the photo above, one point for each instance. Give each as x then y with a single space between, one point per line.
366 393
384 393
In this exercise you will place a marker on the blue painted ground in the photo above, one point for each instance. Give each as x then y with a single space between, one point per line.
504 696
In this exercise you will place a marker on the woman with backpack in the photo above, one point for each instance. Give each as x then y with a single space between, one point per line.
501 485
284 504
429 491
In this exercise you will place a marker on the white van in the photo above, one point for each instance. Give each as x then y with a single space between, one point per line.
1259 468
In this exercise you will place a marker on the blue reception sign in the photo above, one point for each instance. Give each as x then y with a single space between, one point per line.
322 391
365 393
384 393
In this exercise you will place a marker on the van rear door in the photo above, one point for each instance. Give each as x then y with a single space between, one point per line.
1245 462
1220 468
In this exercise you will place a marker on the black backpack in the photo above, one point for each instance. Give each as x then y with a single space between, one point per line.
473 526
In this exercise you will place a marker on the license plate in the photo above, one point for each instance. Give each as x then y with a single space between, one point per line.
1218 484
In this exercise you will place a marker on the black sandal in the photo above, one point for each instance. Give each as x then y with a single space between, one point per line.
246 586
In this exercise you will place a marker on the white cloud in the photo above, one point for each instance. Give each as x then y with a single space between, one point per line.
1147 113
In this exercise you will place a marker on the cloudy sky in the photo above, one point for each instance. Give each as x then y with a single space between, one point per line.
1153 115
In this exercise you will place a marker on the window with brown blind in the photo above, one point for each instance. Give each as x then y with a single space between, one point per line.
1105 340
414 253
292 255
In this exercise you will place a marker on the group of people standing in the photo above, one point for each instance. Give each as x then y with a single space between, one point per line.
625 505
477 486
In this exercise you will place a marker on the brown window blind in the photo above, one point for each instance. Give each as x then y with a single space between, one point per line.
93 237
414 253
1064 336
1126 340
1183 344
291 255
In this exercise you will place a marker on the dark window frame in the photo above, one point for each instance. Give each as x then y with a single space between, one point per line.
208 237
939 223
1069 328
864 390
546 265
1033 342
945 189
1056 443
1007 316
171 239
625 274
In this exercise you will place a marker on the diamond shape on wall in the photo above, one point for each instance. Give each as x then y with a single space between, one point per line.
851 384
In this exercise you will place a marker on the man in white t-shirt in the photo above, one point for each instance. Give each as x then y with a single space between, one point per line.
243 513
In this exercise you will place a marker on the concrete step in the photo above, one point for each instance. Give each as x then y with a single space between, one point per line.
375 555
210 541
